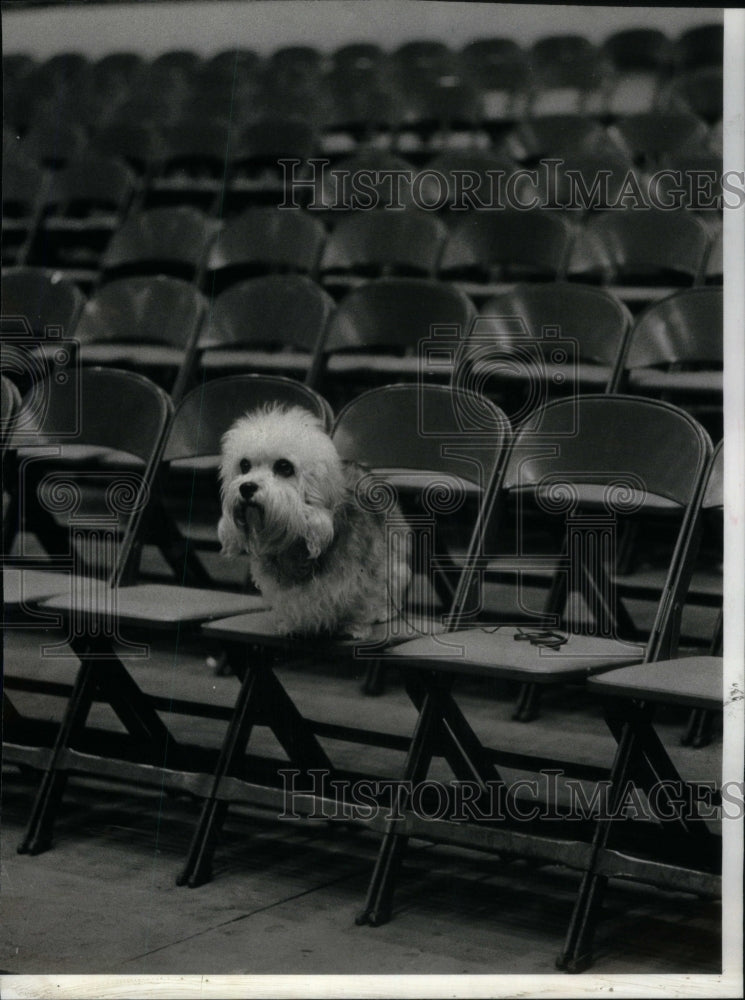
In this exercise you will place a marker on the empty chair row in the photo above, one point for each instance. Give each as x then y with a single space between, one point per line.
529 342
639 253
556 62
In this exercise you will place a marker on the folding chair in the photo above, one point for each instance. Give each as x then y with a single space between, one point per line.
690 855
386 178
502 72
43 296
195 165
647 137
53 142
458 180
444 115
257 176
700 92
540 136
641 60
149 324
263 240
148 753
85 204
540 341
276 323
393 328
676 352
574 456
139 144
60 418
173 241
700 46
381 244
569 75
641 256
364 112
417 439
23 189
487 249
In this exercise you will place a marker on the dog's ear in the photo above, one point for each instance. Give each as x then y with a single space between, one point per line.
319 530
230 539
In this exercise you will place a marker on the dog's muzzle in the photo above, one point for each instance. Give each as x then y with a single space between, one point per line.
247 493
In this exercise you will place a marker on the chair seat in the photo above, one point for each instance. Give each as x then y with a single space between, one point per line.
164 605
247 361
496 653
704 382
343 364
260 628
160 355
590 375
695 682
29 586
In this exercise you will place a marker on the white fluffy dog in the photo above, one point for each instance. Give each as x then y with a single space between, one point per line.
319 557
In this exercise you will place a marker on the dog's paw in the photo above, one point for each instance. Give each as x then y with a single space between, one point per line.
356 630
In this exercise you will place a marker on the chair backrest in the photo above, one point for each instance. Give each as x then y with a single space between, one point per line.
376 174
617 455
271 139
552 135
551 311
275 310
147 309
649 135
265 239
685 327
104 408
423 428
638 48
535 240
98 181
431 440
700 46
207 412
653 244
462 179
385 242
398 314
43 298
169 240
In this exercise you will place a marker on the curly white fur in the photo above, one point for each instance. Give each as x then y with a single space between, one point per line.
320 560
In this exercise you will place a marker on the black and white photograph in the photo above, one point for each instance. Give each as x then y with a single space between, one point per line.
373 495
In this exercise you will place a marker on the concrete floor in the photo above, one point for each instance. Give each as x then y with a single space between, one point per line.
285 893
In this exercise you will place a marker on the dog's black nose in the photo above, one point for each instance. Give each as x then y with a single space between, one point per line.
248 489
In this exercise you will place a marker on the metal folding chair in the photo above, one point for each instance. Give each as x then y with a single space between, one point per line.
102 552
147 753
583 458
444 447
689 856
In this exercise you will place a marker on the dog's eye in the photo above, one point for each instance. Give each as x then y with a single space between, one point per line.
245 466
282 467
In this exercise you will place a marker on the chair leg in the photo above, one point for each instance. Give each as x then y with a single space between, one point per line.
379 900
198 867
698 732
38 834
577 952
374 683
528 703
